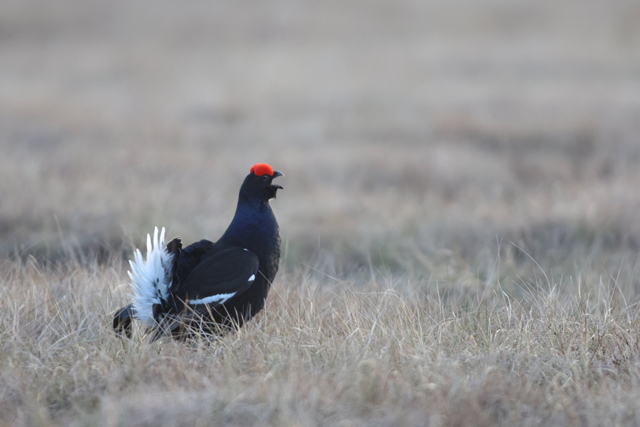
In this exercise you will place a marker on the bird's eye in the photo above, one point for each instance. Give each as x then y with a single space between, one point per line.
265 177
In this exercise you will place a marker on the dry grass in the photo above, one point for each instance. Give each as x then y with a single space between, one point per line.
365 351
459 220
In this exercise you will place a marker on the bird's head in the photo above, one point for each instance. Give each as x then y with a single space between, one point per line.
258 182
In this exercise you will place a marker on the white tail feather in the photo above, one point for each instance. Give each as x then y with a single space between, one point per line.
150 279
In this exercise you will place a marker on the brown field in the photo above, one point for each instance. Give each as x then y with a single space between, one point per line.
460 215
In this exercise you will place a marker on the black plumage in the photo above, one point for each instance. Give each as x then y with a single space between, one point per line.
211 286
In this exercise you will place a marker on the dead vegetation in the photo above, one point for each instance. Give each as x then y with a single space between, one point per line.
459 215
368 350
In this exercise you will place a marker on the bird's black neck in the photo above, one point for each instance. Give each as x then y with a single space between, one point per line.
253 226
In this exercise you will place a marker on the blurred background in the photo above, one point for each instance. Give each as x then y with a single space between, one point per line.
427 137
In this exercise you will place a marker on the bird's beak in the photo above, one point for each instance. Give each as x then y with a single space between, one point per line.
275 175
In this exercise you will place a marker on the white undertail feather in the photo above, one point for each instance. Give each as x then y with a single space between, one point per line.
150 279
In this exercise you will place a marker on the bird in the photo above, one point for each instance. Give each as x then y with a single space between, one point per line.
207 287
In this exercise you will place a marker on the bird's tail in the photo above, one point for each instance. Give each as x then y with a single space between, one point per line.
151 279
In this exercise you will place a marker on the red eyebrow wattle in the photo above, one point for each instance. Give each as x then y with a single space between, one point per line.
260 169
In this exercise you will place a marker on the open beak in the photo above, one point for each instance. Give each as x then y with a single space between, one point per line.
275 175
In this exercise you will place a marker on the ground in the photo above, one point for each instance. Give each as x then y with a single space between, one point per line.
459 218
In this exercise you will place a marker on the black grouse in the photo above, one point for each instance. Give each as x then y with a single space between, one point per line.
209 287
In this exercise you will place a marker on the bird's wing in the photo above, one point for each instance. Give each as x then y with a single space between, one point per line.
187 259
215 280
220 277
197 249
